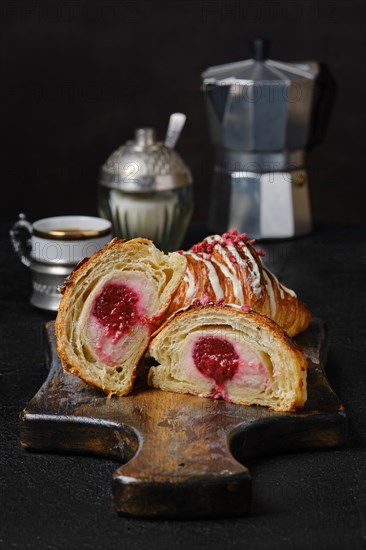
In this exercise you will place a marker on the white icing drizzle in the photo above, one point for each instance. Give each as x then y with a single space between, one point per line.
237 288
212 238
269 287
288 290
253 270
190 280
214 280
228 271
280 289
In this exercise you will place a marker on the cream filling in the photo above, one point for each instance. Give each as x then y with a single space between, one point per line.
114 353
97 343
254 370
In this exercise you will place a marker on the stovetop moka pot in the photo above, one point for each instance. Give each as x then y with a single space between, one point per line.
263 115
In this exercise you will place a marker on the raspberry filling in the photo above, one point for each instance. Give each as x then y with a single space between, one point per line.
116 308
216 358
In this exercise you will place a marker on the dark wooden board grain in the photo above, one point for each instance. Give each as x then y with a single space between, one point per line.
182 456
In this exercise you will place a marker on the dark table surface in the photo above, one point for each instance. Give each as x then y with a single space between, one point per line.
313 499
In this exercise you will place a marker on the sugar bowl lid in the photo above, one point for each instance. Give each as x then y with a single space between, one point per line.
259 69
145 165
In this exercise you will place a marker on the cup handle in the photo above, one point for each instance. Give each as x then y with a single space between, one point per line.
20 237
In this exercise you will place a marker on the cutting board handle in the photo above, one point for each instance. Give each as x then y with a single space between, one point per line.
171 476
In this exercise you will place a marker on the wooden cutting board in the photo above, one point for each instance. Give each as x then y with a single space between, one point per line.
182 456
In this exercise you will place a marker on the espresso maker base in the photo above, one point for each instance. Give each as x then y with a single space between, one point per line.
271 205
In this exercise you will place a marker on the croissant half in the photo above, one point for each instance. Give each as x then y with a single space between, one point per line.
222 351
227 267
111 304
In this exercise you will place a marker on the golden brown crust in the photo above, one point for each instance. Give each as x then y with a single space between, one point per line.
61 318
233 267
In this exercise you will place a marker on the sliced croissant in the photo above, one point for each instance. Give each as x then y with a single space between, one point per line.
227 267
222 351
111 304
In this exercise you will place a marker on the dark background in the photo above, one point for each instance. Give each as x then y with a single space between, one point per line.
77 77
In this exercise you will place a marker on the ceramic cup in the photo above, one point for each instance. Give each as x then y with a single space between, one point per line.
52 247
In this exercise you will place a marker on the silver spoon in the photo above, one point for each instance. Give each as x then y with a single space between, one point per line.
175 127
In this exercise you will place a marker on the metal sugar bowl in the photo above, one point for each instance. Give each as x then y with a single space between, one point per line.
145 188
263 115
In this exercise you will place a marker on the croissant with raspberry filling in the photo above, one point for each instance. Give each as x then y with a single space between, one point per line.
111 304
222 351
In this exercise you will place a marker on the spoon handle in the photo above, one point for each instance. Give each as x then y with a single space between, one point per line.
175 127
